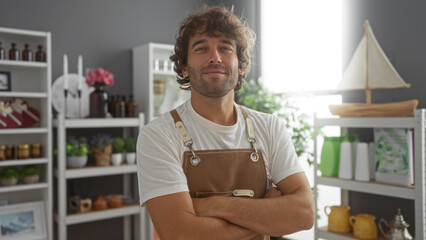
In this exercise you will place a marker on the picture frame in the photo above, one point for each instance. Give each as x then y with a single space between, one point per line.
5 81
24 221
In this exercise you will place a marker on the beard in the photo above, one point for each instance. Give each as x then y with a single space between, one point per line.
214 87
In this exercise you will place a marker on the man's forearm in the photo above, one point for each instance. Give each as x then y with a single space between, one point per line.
272 216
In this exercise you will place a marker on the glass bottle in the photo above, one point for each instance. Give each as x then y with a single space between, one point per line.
13 52
111 103
131 107
98 101
40 56
123 106
2 52
27 55
119 108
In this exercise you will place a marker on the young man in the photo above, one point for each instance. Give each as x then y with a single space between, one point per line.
206 169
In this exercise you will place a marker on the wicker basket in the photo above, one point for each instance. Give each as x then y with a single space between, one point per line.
103 158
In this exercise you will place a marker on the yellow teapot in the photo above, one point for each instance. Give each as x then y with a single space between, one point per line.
364 226
338 218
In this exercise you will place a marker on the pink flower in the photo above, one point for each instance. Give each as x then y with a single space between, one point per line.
100 75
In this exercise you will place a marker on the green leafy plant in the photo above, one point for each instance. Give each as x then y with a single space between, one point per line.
118 145
130 145
9 173
255 96
31 170
100 141
77 147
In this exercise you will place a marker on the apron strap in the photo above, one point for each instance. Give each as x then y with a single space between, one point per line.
187 140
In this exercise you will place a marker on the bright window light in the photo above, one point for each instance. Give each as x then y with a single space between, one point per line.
301 44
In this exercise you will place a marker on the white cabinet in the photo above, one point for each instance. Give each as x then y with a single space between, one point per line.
30 81
151 62
128 172
415 193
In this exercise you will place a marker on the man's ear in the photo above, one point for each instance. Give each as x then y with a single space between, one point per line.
185 72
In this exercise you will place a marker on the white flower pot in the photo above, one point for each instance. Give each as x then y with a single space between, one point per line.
76 162
8 181
31 179
116 159
131 158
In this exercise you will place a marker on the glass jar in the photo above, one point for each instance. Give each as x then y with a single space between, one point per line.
27 55
36 150
10 152
13 52
23 151
131 107
2 152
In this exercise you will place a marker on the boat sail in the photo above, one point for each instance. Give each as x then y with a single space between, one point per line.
370 69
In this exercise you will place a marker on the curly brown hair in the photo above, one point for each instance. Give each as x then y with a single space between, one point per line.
213 21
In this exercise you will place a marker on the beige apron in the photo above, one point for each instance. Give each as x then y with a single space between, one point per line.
224 172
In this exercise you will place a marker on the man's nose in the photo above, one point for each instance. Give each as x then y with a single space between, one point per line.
215 57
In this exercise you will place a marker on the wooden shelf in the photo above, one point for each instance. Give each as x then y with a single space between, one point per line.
368 122
100 122
23 130
91 216
372 187
24 94
23 187
20 162
24 64
324 233
95 171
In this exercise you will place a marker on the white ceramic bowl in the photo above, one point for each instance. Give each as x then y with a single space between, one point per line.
76 162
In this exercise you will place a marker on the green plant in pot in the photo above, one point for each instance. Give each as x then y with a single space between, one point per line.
31 174
77 151
101 145
9 176
130 150
118 146
255 96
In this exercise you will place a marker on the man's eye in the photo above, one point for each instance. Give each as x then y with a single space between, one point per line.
226 48
199 49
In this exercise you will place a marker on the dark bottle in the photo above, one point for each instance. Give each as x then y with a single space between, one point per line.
111 103
40 56
13 52
27 55
98 101
131 107
122 103
2 52
117 107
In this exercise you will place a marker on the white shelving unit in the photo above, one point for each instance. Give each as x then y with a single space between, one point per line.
144 74
415 193
128 171
30 81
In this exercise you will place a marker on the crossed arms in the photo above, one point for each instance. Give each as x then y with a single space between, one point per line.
287 209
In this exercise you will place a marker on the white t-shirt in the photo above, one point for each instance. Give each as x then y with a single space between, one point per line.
160 148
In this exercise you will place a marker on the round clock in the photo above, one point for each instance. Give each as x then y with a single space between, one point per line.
72 104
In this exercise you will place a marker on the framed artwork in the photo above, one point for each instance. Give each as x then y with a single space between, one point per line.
5 81
25 221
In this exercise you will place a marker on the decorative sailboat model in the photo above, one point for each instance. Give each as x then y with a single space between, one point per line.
370 69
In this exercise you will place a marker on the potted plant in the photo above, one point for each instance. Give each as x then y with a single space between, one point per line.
31 174
255 96
101 145
9 176
117 151
130 150
77 151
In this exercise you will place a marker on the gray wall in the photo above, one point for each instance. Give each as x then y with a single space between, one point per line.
104 32
399 29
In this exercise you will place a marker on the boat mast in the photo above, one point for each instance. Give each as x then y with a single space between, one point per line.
367 88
